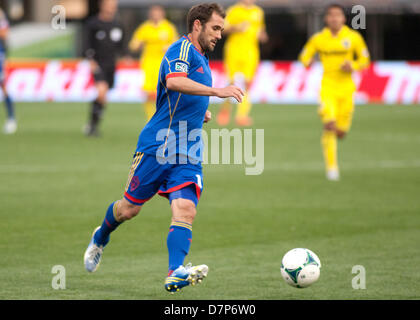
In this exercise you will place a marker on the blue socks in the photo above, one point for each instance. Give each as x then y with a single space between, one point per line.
101 236
9 107
178 242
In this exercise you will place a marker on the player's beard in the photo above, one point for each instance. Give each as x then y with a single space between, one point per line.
205 44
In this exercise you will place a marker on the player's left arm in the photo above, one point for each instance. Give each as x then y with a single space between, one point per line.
262 34
362 54
137 40
173 35
308 52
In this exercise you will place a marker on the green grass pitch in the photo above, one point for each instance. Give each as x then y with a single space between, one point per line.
56 185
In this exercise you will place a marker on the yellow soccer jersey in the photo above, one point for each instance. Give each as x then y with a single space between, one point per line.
155 39
333 52
253 18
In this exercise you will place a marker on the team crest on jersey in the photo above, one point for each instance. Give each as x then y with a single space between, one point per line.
115 34
135 182
181 67
346 43
100 35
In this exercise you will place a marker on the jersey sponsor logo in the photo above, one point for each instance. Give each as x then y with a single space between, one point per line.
200 70
181 67
333 52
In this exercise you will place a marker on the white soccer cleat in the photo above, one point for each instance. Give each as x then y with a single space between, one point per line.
10 126
93 255
197 273
185 276
333 175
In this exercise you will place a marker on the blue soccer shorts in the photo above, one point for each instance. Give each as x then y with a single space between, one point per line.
148 177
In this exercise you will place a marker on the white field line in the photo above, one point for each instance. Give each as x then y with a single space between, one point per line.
281 166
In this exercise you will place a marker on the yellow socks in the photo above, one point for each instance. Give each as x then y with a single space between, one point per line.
226 106
149 109
244 108
329 148
223 117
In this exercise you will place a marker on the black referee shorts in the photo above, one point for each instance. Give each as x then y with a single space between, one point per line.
105 73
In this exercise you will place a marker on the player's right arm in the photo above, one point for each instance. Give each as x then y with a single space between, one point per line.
232 22
137 40
308 52
185 85
178 63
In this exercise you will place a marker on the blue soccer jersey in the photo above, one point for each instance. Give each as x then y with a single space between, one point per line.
176 126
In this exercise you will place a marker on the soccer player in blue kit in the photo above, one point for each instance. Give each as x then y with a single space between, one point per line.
184 88
10 125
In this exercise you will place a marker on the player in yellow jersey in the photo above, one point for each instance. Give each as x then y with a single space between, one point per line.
341 51
153 37
245 28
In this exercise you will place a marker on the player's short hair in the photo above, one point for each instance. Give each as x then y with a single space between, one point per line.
203 12
334 6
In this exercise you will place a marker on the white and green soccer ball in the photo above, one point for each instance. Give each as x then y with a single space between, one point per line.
300 267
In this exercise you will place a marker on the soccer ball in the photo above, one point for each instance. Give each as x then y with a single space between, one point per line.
300 267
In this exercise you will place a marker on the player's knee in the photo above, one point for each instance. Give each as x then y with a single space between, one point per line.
341 134
102 90
183 210
128 211
101 97
330 126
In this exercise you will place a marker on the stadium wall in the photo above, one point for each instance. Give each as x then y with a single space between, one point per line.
282 82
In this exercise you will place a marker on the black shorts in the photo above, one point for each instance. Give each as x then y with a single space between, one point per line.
106 74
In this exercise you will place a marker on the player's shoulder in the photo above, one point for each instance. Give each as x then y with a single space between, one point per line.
319 36
352 33
183 50
258 9
144 24
176 47
167 24
143 28
233 9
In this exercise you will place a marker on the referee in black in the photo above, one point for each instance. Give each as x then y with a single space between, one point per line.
103 42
